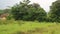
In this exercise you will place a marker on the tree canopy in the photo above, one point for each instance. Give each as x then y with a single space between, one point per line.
26 11
55 11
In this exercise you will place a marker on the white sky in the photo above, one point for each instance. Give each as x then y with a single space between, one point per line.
43 3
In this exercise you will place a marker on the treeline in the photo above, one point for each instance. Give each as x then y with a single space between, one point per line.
31 12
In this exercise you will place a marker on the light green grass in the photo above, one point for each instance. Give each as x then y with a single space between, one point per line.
30 28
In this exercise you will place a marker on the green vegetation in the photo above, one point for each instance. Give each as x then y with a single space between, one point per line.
54 13
28 12
31 12
25 18
1 11
29 27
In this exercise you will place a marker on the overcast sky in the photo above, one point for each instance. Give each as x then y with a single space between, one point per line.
43 3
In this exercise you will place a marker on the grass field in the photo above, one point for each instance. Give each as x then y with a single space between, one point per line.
28 27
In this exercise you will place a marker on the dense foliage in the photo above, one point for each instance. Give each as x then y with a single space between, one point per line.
29 12
55 11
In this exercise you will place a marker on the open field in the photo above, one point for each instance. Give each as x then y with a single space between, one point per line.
24 27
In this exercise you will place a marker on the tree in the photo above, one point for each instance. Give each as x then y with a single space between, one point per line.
19 10
29 12
1 11
55 11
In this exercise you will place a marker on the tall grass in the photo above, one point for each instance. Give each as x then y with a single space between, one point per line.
28 27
